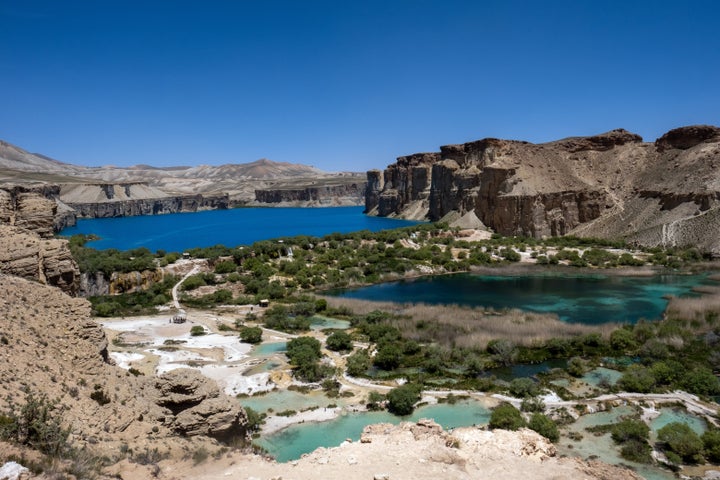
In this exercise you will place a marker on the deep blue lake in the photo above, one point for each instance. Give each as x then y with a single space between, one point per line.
589 299
176 232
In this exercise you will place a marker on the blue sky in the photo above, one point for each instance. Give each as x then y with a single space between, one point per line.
344 85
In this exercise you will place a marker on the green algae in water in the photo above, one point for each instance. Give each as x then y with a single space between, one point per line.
319 322
282 400
269 348
587 299
594 377
292 442
670 415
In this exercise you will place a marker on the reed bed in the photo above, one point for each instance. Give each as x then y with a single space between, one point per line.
466 327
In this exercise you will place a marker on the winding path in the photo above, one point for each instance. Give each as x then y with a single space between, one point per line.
176 302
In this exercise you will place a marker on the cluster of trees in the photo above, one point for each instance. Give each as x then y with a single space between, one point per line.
305 355
507 417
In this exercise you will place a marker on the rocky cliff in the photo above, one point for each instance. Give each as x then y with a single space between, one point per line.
104 200
27 223
342 194
612 185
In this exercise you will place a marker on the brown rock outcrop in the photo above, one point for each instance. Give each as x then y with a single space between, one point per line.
197 407
609 185
48 261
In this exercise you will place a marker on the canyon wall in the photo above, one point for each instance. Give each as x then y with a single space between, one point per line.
347 194
610 185
105 200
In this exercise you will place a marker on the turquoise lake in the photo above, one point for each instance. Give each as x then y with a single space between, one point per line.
589 299
176 232
292 442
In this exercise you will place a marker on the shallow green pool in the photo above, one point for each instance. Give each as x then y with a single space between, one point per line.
291 443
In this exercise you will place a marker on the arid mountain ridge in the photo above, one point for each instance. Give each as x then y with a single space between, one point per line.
612 185
110 191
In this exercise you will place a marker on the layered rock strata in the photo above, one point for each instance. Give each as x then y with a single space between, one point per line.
104 200
610 185
322 195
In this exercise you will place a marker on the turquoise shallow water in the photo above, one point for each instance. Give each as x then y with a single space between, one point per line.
291 443
176 232
589 299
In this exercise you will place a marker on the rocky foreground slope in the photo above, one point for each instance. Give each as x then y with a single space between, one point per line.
50 346
610 185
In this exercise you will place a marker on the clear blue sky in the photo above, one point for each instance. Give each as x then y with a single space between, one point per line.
344 85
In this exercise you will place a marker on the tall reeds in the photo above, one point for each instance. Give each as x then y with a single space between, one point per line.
457 326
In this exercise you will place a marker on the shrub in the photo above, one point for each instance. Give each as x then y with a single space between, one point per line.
227 266
338 341
197 330
630 430
251 334
543 425
523 388
99 395
254 419
576 367
680 439
506 417
358 363
711 444
402 400
37 423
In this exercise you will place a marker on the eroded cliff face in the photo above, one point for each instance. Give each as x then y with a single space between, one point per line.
347 194
612 185
105 200
27 222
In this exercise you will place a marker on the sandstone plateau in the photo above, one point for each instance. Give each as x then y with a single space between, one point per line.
612 185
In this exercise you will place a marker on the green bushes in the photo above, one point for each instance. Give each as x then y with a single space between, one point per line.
339 341
197 330
251 334
632 436
38 423
304 353
506 417
286 319
681 443
402 399
543 425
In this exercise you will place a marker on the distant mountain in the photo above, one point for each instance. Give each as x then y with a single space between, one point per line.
15 158
238 181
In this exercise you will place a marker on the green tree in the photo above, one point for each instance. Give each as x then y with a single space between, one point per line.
637 379
402 399
543 425
226 266
506 417
680 439
338 341
304 347
630 430
358 363
622 340
388 356
251 334
711 444
524 387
